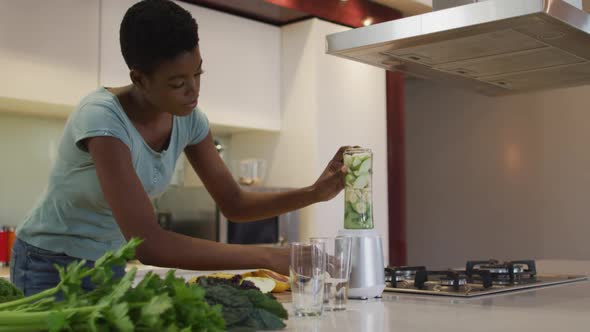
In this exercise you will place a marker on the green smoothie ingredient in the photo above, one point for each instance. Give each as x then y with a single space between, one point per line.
358 209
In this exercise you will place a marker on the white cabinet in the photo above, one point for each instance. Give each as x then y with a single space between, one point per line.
48 50
241 58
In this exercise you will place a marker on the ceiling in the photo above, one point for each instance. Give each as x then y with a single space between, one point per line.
353 13
408 7
259 10
281 12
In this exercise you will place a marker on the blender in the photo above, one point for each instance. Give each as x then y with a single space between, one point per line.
367 279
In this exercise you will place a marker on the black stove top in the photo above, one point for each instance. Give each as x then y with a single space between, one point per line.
478 278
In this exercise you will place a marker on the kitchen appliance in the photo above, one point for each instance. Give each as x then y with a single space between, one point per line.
366 277
188 210
477 279
494 47
277 230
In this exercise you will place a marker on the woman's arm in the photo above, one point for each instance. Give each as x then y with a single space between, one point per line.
241 205
134 214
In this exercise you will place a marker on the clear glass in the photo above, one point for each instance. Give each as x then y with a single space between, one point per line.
307 271
250 171
358 200
338 252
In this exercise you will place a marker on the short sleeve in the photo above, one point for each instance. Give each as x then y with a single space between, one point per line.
198 127
98 119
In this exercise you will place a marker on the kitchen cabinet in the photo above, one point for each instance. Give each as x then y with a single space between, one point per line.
240 89
48 51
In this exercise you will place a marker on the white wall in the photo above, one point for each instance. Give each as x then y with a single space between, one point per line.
503 177
326 102
28 146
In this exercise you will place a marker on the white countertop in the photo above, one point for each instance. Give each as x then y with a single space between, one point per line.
557 308
561 308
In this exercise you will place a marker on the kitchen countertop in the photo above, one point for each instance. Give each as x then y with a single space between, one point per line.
563 307
554 308
540 309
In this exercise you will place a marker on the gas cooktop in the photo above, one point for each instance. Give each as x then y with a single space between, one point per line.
477 279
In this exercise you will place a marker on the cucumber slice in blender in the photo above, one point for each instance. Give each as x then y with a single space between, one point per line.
351 196
365 166
348 160
356 162
349 179
360 207
361 182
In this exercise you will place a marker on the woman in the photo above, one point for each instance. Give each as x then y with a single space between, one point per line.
119 150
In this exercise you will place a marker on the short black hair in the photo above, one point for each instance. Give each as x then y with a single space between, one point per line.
156 30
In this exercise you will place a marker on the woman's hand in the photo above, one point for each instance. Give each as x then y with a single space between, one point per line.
331 182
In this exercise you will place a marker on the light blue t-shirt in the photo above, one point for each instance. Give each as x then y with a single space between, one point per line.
72 216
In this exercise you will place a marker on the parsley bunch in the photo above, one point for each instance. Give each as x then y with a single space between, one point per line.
155 304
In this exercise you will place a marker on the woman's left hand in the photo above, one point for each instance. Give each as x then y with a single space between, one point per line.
331 182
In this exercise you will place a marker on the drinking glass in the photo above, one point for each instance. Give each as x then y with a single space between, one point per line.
338 257
307 271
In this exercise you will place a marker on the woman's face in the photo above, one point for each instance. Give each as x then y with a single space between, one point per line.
174 85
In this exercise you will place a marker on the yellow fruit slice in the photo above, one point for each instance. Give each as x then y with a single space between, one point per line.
264 284
282 281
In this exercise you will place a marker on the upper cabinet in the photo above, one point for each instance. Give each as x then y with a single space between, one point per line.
48 50
240 88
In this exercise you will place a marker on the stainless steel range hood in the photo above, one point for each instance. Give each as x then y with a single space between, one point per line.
494 47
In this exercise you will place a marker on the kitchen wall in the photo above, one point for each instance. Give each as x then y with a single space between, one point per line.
326 102
28 145
505 177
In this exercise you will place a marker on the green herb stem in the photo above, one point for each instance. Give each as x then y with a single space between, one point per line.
32 321
29 299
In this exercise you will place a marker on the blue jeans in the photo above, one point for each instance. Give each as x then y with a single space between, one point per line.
32 269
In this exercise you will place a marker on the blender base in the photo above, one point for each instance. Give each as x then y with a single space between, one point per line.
366 293
367 275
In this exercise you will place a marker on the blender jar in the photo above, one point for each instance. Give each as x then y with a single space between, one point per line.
358 202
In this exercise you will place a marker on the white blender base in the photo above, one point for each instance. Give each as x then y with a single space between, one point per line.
366 292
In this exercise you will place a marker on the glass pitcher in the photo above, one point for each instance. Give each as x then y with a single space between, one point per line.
358 202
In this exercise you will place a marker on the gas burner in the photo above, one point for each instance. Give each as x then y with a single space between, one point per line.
451 282
479 278
505 273
443 279
402 276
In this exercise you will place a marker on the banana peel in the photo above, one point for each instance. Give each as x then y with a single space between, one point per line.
281 281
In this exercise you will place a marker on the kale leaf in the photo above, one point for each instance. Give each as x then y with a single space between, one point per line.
9 292
244 310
